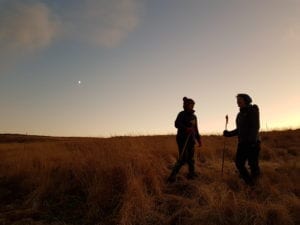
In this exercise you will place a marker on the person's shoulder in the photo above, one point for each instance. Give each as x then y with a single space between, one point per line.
181 113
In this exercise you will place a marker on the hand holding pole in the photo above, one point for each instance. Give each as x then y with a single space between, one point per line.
223 155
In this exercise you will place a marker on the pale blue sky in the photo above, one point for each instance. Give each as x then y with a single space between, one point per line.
137 59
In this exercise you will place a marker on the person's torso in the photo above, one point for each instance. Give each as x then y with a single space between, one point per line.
245 126
243 119
188 120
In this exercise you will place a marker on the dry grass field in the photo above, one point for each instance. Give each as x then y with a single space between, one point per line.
122 180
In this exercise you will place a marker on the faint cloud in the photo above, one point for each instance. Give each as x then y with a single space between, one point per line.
26 26
103 22
31 24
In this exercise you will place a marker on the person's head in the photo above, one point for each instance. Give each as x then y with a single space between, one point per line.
188 104
243 100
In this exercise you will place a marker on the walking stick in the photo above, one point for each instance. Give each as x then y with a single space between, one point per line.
184 147
223 155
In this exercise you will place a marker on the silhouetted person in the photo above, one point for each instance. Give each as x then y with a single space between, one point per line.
187 135
247 130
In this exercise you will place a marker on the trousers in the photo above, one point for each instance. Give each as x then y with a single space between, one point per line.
248 152
186 155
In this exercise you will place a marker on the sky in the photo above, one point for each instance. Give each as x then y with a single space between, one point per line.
121 67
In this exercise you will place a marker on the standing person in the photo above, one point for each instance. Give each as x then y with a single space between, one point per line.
187 135
247 130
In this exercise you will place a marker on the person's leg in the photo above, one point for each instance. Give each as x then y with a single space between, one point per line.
253 161
240 160
191 161
180 162
174 172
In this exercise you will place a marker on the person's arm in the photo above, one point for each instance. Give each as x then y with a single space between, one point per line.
197 133
179 122
232 133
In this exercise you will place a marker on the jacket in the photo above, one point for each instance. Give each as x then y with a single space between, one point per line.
247 125
184 120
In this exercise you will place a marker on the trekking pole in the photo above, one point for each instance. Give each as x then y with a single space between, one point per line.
184 147
223 155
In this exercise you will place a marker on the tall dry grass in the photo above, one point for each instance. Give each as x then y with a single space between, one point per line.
121 180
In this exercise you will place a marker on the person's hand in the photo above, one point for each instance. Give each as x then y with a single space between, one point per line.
226 133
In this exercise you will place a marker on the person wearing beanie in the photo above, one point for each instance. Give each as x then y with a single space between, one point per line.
247 131
187 135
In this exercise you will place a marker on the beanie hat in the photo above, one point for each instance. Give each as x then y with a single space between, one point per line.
188 100
247 98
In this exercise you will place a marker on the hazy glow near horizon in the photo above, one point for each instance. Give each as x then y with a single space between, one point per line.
102 68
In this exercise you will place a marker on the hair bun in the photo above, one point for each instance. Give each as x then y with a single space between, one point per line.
184 99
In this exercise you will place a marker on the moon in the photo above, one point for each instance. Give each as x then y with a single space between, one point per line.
79 82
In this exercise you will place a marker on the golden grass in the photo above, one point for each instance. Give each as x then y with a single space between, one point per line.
121 180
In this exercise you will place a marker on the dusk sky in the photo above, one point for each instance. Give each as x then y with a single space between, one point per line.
122 67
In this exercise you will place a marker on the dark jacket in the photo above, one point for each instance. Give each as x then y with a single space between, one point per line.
186 120
247 125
